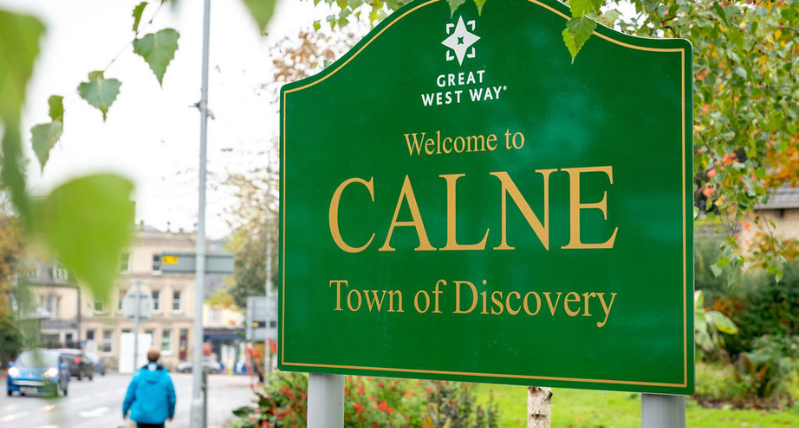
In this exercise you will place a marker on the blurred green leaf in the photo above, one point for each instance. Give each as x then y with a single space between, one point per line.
99 91
261 11
56 103
87 223
19 47
43 138
454 5
479 4
158 49
721 322
137 11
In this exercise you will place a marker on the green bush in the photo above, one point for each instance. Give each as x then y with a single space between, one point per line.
765 308
452 405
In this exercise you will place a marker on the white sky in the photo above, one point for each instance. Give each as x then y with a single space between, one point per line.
152 135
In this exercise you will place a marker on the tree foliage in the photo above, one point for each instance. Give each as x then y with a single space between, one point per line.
11 248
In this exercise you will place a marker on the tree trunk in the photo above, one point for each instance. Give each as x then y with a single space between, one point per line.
539 407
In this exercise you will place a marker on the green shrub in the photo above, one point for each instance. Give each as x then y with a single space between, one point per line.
765 308
452 405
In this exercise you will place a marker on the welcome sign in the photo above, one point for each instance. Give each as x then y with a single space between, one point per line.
460 201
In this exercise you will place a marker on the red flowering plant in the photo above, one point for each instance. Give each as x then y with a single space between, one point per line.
281 403
380 402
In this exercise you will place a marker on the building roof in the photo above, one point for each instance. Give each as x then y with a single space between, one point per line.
783 197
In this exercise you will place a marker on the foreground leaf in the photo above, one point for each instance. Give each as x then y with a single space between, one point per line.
454 5
158 50
43 138
479 4
56 103
261 11
87 223
137 11
19 47
582 7
577 32
99 91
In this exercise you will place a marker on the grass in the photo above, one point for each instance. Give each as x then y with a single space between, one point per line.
573 408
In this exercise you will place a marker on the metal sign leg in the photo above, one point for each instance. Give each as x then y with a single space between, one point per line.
662 411
325 401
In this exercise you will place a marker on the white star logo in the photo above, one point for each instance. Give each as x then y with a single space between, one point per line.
460 41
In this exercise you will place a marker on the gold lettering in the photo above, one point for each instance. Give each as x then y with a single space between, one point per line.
575 206
349 300
391 295
509 188
552 307
458 297
537 303
452 243
568 300
374 301
338 292
416 301
333 214
491 138
497 303
507 302
407 194
586 296
605 307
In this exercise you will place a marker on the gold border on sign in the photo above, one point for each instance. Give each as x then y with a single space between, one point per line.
494 375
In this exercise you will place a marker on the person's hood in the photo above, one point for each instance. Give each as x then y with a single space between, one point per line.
152 372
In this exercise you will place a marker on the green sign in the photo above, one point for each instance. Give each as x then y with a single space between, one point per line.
460 201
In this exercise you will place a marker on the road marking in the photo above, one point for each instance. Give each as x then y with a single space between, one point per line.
102 394
12 417
79 399
48 407
94 413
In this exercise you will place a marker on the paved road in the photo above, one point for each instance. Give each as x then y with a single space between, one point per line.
98 403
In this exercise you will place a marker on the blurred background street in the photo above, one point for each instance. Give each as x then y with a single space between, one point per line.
98 403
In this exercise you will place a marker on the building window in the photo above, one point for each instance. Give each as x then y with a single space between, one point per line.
108 341
156 262
121 298
89 334
216 316
124 262
59 273
176 301
166 341
99 306
50 305
156 295
152 335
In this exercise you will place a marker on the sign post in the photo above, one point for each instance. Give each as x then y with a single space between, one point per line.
488 211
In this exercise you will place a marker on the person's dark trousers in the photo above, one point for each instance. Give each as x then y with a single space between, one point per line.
138 425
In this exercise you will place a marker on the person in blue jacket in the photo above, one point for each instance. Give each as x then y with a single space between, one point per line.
151 395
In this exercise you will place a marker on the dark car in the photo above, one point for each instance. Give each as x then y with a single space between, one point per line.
38 372
99 363
79 365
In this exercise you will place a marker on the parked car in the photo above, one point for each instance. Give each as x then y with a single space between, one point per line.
79 365
38 372
99 363
208 363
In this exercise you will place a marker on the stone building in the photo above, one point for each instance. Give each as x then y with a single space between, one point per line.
172 322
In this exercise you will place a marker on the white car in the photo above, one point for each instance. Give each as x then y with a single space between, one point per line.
208 363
